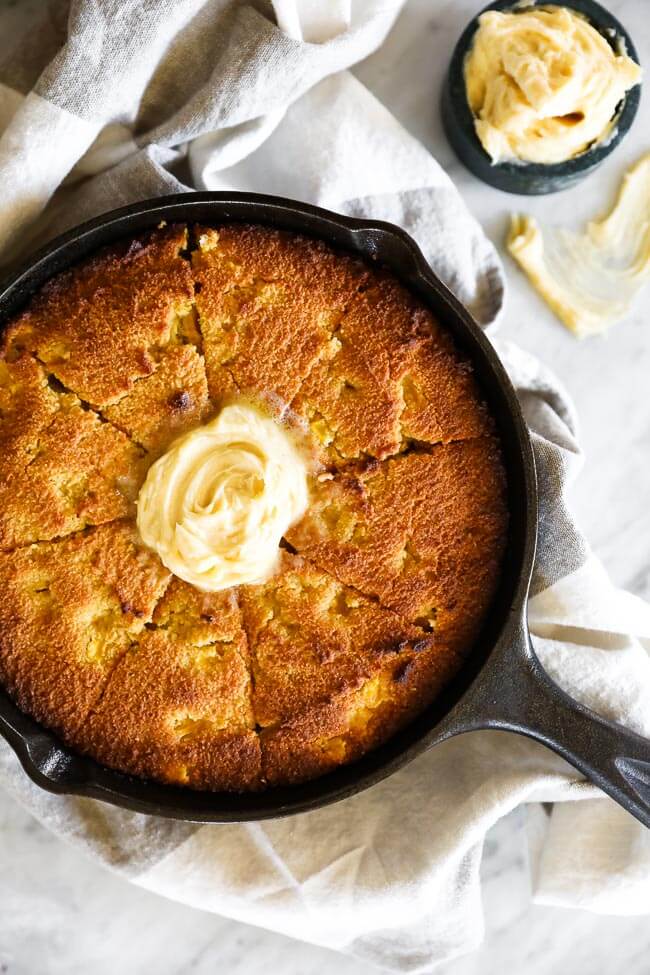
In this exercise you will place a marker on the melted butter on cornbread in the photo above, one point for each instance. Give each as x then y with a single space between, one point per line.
217 504
543 84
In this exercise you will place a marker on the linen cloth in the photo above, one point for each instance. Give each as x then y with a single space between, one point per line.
112 101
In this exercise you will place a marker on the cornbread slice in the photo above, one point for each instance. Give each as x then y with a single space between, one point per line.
329 663
178 704
268 303
441 398
69 610
389 375
100 326
357 719
423 532
50 481
169 402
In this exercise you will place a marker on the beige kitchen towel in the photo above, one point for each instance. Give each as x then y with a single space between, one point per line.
108 101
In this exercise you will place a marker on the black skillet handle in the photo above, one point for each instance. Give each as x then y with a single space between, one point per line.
514 693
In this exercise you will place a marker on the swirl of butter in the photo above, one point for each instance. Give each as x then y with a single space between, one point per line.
591 277
217 504
543 84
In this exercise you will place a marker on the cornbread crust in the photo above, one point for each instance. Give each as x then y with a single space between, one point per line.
268 303
69 610
178 706
100 326
358 719
50 483
330 669
382 587
388 376
171 401
423 533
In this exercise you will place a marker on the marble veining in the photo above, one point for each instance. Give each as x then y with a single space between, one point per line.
62 914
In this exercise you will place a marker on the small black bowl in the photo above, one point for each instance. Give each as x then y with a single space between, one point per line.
531 179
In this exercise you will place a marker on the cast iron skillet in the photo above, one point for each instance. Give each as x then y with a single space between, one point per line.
503 685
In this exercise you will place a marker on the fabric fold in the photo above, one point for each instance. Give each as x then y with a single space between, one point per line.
126 101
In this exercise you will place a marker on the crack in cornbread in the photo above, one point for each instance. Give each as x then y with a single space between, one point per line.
50 483
178 704
401 530
323 655
99 327
266 307
381 588
69 610
390 376
172 400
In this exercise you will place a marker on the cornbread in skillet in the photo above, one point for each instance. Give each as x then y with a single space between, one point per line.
381 588
172 399
267 307
388 376
398 531
334 673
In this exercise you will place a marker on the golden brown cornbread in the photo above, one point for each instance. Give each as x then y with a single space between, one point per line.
358 719
50 481
422 532
173 399
329 669
100 327
387 376
179 706
267 307
69 610
381 589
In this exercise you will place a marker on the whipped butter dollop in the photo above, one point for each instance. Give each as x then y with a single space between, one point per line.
543 84
591 277
217 504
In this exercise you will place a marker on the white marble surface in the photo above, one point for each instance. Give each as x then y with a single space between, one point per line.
81 918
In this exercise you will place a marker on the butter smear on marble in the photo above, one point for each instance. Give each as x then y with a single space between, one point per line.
590 279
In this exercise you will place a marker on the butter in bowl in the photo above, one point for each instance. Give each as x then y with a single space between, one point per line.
538 95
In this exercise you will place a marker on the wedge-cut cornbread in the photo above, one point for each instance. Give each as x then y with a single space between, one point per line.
423 533
169 402
334 672
69 610
179 706
380 589
268 303
100 327
61 468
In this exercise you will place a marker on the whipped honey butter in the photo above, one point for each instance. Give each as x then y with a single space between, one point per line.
543 84
217 504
